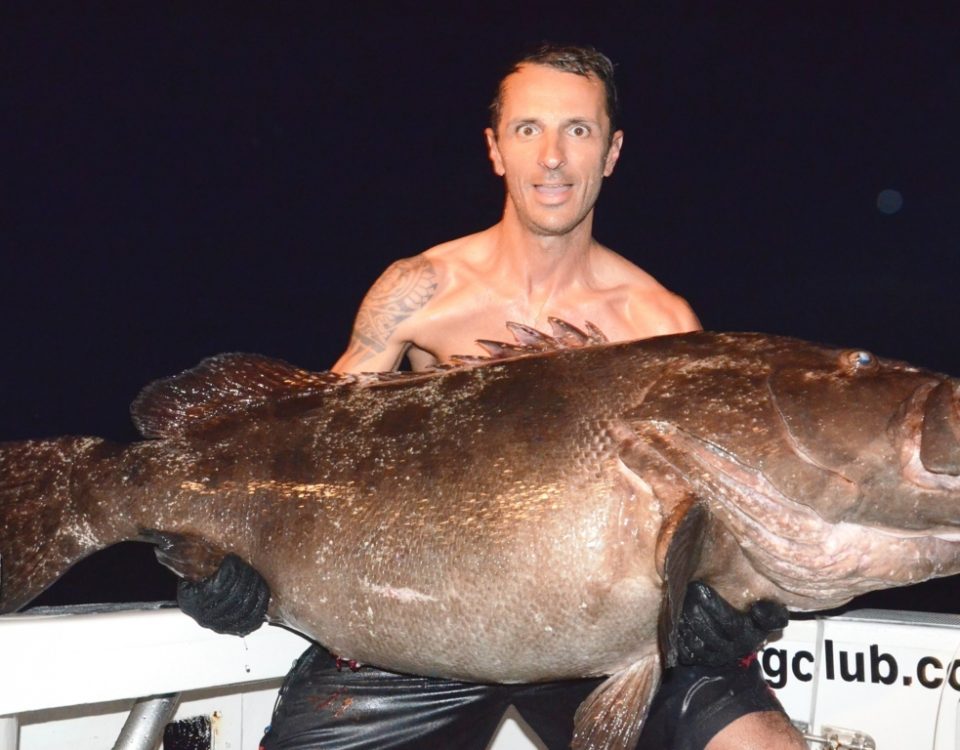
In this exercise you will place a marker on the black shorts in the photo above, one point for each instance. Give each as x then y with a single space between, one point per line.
694 703
322 707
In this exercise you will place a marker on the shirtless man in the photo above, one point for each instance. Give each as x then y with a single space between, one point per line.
553 138
553 142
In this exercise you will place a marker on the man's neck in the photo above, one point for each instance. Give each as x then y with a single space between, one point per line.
541 264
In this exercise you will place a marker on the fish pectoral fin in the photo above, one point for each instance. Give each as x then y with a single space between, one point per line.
678 554
612 715
682 532
190 557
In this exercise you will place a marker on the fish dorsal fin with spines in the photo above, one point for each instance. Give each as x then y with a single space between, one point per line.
532 341
228 385
220 387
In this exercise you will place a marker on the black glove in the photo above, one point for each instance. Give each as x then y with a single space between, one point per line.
714 634
232 600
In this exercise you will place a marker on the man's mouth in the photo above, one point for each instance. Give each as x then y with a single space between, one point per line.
552 188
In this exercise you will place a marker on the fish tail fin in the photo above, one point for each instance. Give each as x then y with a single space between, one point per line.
42 528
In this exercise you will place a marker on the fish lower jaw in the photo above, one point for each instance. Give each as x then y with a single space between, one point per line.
824 563
854 560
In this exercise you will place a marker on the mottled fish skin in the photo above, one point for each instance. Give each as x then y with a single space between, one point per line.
519 520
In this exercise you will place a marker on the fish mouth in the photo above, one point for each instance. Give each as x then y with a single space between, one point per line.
940 433
930 451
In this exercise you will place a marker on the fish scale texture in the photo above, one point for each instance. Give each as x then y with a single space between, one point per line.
501 521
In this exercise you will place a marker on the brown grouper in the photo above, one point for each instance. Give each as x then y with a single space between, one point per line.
534 517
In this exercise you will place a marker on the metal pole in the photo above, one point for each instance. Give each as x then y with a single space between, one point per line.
144 727
9 732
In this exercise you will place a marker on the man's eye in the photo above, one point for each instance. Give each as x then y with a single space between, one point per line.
580 131
526 130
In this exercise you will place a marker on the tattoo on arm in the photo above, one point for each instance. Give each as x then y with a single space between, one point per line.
405 287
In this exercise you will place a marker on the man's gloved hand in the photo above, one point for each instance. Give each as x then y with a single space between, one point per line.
232 600
714 634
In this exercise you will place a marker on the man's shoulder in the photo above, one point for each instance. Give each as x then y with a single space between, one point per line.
617 268
429 272
460 251
647 300
409 282
410 289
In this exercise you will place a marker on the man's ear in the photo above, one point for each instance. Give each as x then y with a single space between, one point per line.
613 153
493 150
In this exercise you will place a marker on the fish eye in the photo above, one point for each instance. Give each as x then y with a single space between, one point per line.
855 361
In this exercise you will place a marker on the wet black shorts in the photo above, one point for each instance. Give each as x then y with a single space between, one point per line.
321 707
694 703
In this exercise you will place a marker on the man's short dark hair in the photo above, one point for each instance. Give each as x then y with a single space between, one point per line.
582 61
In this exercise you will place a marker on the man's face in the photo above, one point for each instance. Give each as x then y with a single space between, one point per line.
553 147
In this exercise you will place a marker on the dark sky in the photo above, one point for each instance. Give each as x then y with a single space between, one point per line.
179 181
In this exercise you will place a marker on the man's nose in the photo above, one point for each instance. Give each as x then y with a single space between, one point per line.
551 152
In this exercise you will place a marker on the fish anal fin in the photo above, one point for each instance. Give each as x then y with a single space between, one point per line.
612 715
191 557
678 555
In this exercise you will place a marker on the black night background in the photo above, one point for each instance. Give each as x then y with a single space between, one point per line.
183 179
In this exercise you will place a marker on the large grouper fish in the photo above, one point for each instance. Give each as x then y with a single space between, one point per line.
533 517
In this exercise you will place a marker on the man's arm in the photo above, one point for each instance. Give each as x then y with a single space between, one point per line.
235 598
673 313
653 310
380 335
686 318
716 697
